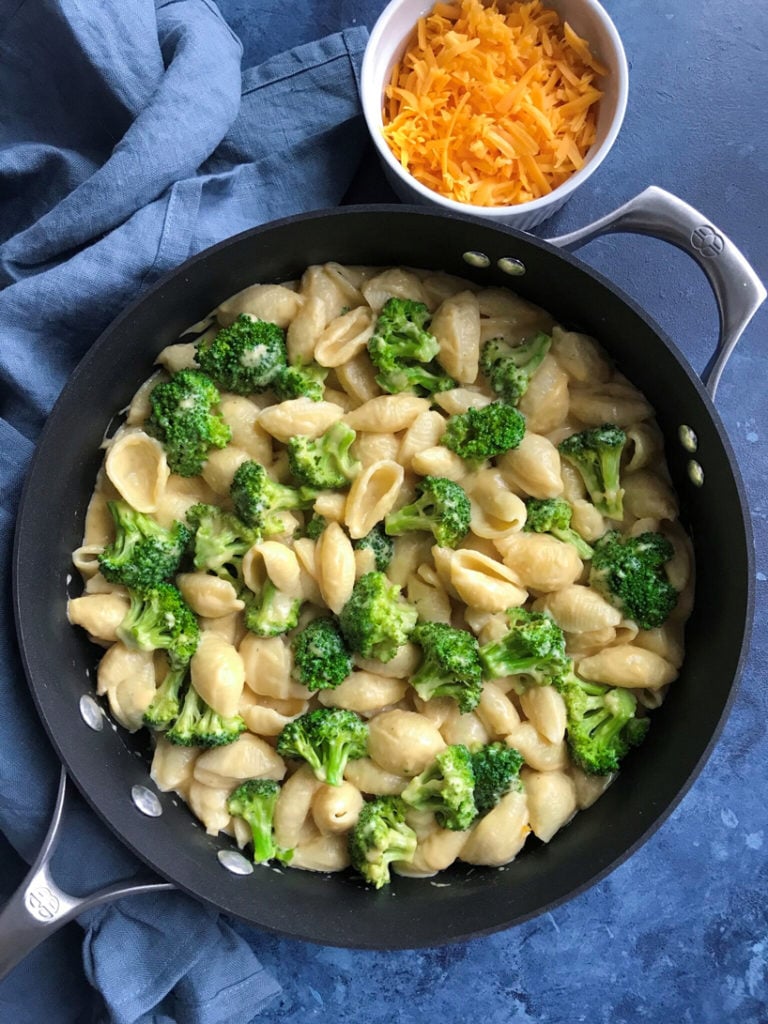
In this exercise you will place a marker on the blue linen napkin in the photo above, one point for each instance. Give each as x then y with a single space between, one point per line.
129 139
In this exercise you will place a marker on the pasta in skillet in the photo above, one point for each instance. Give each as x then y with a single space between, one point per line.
398 585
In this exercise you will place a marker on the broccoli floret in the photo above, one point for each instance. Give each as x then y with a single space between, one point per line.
442 508
403 351
221 540
401 334
301 382
446 787
315 526
497 772
245 357
257 497
509 368
381 836
320 656
533 647
596 454
160 619
166 703
324 463
249 357
185 420
326 739
254 801
601 723
143 553
198 725
482 433
271 612
629 572
450 665
553 515
376 621
382 546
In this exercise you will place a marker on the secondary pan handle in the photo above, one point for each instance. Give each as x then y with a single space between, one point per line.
738 290
39 907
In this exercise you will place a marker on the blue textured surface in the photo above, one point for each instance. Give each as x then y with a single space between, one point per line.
679 932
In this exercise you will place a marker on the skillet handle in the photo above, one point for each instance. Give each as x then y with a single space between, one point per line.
738 290
39 907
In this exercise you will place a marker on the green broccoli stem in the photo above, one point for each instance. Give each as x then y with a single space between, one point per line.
409 518
166 703
442 507
498 662
259 817
604 488
568 536
446 787
596 454
183 730
272 612
424 794
264 848
336 757
604 726
255 801
302 747
198 725
214 730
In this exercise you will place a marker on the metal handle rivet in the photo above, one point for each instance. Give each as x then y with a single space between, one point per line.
42 903
695 473
509 265
146 801
91 713
476 259
688 438
235 862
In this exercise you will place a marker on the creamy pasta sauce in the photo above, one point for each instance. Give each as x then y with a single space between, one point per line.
329 316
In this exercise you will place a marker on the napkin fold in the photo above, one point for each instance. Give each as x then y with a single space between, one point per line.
129 140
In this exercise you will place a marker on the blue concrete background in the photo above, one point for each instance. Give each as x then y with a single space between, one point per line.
680 932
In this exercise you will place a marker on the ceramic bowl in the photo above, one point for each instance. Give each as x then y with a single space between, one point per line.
388 41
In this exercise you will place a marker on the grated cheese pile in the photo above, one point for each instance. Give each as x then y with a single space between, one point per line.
492 107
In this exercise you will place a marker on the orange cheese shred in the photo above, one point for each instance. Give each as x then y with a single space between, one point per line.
495 104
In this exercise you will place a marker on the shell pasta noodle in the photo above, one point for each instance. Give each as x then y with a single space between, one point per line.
417 595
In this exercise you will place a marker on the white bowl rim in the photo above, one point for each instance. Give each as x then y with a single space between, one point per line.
371 103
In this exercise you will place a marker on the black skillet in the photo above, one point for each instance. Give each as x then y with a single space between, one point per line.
339 910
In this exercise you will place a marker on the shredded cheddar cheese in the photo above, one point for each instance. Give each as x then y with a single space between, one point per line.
490 106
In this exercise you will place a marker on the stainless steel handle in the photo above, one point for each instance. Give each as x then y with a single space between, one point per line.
39 907
738 290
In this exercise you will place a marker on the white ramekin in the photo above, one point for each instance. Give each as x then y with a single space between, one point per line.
386 44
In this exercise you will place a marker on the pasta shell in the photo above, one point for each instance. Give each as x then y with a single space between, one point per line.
218 674
372 496
628 665
137 467
299 416
344 337
249 757
271 302
500 835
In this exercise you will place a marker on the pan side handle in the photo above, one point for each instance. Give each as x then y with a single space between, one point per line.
39 907
737 288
